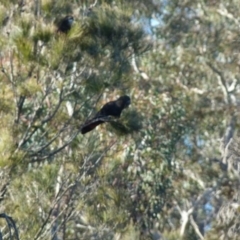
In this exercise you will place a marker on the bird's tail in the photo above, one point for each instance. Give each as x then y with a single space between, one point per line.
93 123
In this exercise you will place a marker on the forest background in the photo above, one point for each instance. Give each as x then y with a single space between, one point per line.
168 168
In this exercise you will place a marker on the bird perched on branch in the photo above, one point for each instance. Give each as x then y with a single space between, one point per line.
65 24
113 108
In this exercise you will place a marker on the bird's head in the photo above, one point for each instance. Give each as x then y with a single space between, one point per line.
125 101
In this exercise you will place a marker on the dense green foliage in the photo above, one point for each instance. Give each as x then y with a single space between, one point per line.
168 168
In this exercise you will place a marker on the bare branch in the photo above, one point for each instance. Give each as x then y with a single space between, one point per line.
222 82
195 226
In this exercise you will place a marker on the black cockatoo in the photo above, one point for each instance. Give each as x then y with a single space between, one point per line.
113 108
65 24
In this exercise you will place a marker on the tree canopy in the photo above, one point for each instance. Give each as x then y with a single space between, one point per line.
168 168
